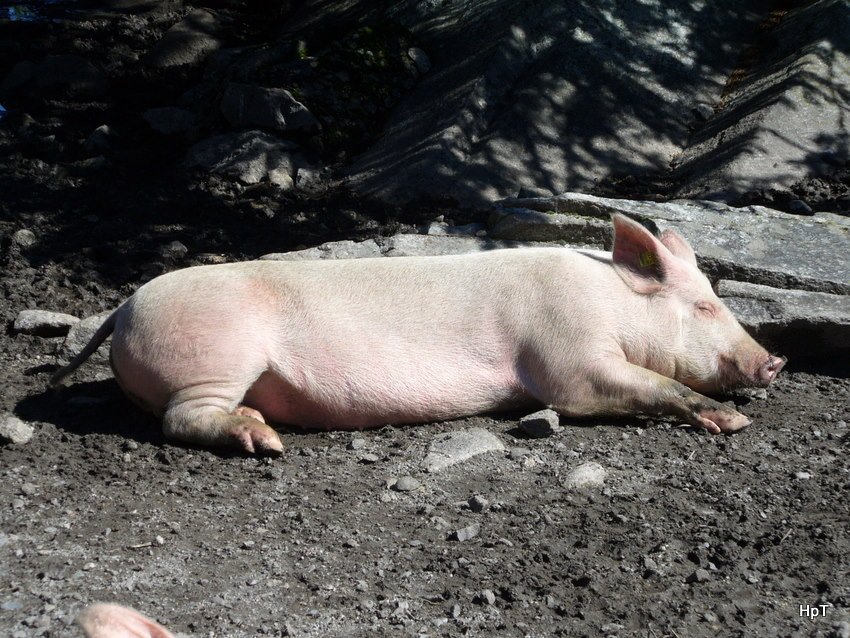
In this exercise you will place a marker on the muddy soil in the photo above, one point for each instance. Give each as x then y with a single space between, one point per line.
690 535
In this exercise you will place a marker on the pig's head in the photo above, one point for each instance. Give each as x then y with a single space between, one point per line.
710 350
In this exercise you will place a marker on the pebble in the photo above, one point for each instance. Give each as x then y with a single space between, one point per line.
356 444
699 576
28 489
406 484
585 475
803 476
466 533
518 453
370 458
24 238
175 250
44 323
710 616
540 424
485 597
420 59
13 430
101 139
478 503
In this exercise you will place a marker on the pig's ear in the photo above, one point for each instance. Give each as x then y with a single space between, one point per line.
679 246
640 259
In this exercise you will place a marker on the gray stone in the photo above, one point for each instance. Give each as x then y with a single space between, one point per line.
170 120
698 576
44 323
13 430
478 503
101 139
356 444
370 458
519 453
24 238
802 476
406 484
249 156
796 323
787 120
541 424
486 597
187 42
511 103
799 207
345 249
250 106
466 533
174 250
81 333
585 475
753 243
420 59
455 447
309 179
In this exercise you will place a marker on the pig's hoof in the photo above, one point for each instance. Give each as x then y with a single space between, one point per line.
717 421
244 410
255 437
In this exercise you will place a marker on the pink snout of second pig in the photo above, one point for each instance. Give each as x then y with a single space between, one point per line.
219 350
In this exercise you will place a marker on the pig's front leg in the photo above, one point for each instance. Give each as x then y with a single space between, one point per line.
620 387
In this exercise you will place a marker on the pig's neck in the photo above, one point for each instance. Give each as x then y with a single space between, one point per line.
649 333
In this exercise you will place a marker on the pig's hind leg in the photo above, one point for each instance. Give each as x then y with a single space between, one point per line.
616 387
209 421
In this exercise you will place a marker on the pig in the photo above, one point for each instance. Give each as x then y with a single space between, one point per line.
218 351
105 620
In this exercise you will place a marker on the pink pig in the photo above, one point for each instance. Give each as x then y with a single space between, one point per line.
218 350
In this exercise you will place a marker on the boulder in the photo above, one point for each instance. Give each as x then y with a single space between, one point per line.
249 106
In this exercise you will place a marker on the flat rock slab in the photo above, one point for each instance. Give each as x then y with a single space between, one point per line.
799 324
554 95
187 42
404 245
449 449
754 244
44 323
787 120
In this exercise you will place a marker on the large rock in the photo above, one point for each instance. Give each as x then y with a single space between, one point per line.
550 94
248 156
799 324
248 106
450 449
44 323
79 336
787 119
187 42
400 246
754 243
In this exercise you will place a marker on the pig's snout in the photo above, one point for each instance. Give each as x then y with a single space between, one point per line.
769 369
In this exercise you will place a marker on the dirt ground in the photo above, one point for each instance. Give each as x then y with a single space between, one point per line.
691 534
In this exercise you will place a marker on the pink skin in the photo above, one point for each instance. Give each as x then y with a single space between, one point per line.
220 350
104 620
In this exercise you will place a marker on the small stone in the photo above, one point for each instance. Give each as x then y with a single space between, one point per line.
89 566
710 616
486 597
585 475
699 576
247 544
466 533
540 424
175 250
44 323
802 475
13 430
420 59
370 458
28 489
799 207
478 503
518 453
159 540
130 445
406 484
18 504
356 444
101 139
841 424
81 333
24 238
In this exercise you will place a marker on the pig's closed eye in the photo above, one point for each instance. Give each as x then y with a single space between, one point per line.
706 308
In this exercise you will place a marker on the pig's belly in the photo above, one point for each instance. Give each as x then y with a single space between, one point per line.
339 401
